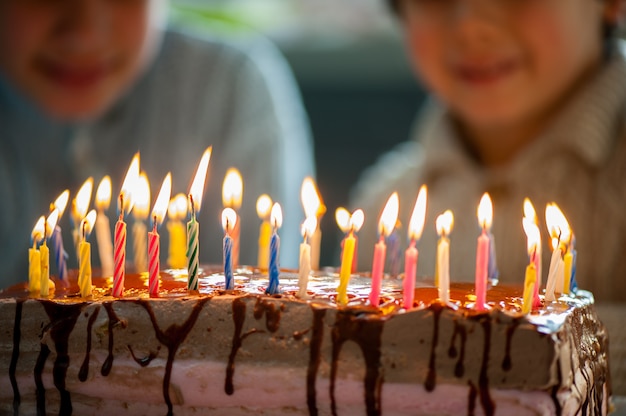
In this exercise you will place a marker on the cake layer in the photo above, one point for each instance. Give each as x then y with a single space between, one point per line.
244 351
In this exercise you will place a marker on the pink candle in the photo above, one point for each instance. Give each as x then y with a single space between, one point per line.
154 249
386 225
410 271
416 227
119 271
485 215
380 251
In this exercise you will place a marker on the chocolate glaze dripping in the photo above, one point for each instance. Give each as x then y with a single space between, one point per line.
471 400
84 368
172 337
506 362
145 361
15 354
459 330
271 311
314 359
429 383
113 320
483 379
40 390
366 333
63 317
239 316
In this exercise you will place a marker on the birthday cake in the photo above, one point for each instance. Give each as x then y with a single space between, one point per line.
245 352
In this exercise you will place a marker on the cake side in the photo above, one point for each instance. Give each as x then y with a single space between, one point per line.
245 351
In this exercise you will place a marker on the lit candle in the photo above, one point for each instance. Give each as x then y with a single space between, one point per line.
568 264
154 245
60 255
444 225
103 227
232 193
84 263
573 286
229 222
530 280
416 227
349 224
176 212
485 215
141 199
50 223
34 256
313 207
308 229
531 215
193 228
80 205
263 207
125 205
276 219
560 234
387 221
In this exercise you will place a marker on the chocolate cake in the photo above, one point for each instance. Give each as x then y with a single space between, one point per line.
244 352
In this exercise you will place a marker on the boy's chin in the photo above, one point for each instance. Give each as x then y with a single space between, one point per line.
76 109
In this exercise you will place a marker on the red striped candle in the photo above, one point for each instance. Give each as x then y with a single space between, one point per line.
153 256
119 272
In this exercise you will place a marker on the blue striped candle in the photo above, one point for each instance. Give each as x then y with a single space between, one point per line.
60 255
272 288
228 263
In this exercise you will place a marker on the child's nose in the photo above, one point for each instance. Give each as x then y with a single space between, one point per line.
83 25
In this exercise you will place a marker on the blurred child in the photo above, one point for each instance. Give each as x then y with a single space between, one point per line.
84 84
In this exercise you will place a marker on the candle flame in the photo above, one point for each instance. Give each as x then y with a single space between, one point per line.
141 197
533 235
529 211
87 223
416 224
308 226
310 198
129 184
161 203
276 216
229 219
445 223
263 206
80 204
177 208
232 189
389 216
51 222
38 230
356 220
197 186
103 194
61 202
558 227
485 211
342 216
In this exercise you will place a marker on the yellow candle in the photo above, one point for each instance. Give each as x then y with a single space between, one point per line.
529 285
177 210
34 256
84 259
44 287
567 271
346 269
263 207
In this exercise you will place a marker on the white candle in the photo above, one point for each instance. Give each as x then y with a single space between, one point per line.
444 226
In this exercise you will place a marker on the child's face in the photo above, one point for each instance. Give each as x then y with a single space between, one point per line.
75 57
497 62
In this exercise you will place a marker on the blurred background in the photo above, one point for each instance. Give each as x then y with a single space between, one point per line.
356 83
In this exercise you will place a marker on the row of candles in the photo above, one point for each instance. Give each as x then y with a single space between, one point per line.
135 193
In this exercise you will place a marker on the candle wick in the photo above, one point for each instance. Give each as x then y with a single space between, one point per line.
193 207
121 206
154 224
84 230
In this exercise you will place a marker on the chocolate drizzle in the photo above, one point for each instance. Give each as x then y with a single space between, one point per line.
314 359
271 311
17 335
471 399
506 362
366 333
172 337
459 329
40 390
62 320
145 361
239 316
113 320
429 383
84 368
483 379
